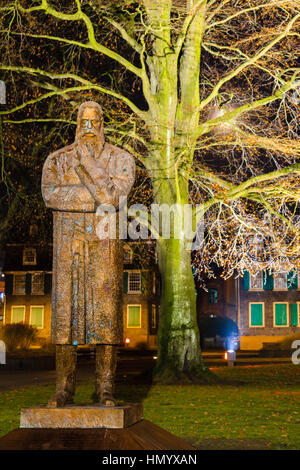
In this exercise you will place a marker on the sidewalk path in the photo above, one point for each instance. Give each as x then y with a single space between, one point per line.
126 367
12 379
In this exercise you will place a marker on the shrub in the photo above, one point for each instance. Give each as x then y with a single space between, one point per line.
18 336
46 346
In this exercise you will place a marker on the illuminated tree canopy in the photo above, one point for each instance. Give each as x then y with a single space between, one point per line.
208 95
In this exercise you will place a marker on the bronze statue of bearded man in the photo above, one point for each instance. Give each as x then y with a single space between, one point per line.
87 271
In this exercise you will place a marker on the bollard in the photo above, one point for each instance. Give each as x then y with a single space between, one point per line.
230 357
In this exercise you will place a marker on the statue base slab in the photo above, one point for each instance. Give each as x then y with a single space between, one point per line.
143 435
82 416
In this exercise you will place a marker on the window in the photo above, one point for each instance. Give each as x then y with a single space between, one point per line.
153 317
256 281
280 281
153 283
17 313
37 283
256 314
212 296
133 316
292 280
134 282
127 255
295 311
19 283
29 256
281 314
37 316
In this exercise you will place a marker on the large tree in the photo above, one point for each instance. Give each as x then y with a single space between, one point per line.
209 93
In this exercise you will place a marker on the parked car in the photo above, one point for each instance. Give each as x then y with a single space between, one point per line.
218 332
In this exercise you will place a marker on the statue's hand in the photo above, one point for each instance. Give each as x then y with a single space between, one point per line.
110 185
84 154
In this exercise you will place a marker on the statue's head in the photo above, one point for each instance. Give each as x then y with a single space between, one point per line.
90 125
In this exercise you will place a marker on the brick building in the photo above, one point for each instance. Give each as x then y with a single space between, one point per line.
265 307
269 308
28 276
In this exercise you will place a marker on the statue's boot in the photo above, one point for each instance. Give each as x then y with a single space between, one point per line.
106 362
65 376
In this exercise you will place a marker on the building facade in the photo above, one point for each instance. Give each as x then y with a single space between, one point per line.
141 296
28 278
269 308
264 306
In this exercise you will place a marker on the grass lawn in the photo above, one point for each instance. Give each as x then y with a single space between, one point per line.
254 407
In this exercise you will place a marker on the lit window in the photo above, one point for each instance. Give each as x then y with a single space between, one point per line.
127 255
133 316
256 314
280 281
281 314
17 314
134 282
37 316
19 284
294 314
29 256
37 286
256 281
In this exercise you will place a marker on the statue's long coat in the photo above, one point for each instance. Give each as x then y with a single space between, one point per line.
87 272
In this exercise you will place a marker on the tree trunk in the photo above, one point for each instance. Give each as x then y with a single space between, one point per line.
179 354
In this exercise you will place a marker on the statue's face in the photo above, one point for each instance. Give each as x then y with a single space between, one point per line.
90 124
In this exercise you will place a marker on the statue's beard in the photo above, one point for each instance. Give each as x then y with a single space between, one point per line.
93 145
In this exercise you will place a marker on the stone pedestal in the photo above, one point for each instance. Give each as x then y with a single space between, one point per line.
89 427
83 416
